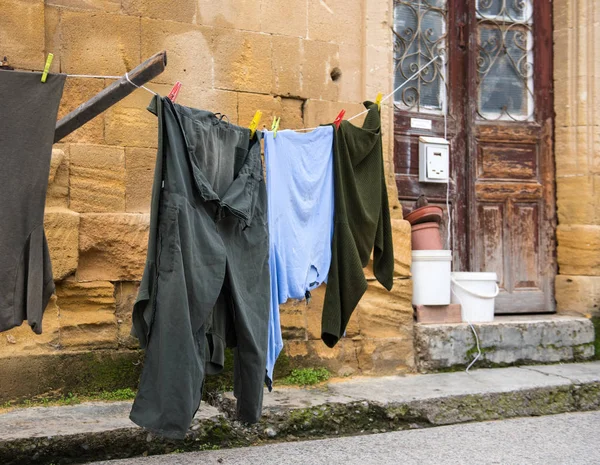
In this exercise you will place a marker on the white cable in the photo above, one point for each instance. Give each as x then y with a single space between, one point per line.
134 84
479 353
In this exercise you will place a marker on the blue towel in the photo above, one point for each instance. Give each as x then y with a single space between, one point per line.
300 203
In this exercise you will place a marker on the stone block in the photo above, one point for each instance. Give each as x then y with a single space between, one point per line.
97 178
242 61
230 14
576 200
292 316
579 294
112 246
291 113
23 341
351 82
99 43
185 11
76 92
217 101
55 161
570 152
401 235
318 112
438 314
578 249
320 58
125 295
22 33
338 360
284 18
52 35
378 74
249 103
314 312
130 124
288 53
385 356
87 315
106 6
139 166
385 314
57 194
189 51
336 21
62 232
507 340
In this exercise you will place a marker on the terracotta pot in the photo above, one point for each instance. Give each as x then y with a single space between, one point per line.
426 214
426 236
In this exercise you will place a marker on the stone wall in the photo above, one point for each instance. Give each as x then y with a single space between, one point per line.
233 57
577 151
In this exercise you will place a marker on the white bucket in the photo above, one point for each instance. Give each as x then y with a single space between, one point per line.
431 276
476 293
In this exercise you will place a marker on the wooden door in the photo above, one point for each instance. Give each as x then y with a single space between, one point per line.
511 169
491 96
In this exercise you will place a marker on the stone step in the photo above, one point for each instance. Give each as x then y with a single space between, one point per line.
102 431
508 340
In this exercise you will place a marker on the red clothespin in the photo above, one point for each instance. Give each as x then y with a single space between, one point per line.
174 91
338 118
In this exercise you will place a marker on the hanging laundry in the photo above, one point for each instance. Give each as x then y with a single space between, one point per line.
28 110
206 280
361 224
300 199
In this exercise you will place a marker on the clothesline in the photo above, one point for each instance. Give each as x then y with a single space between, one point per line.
301 129
388 95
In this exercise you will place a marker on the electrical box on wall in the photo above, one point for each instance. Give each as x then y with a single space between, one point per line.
434 159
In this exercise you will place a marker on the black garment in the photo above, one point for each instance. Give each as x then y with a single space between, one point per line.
206 281
361 222
28 109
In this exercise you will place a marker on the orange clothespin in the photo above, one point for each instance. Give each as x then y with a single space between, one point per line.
47 67
338 119
378 100
255 122
174 91
275 126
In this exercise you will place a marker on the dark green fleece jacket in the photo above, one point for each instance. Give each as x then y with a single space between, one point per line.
362 222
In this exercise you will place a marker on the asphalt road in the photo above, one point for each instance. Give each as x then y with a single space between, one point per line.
562 439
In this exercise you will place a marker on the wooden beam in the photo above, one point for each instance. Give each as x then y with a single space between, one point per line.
105 99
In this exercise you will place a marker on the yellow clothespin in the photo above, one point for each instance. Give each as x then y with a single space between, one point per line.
275 126
254 124
378 100
47 67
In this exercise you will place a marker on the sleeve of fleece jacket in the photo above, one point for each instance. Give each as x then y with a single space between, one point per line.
346 281
383 253
346 284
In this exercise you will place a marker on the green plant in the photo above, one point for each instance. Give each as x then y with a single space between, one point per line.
306 376
119 394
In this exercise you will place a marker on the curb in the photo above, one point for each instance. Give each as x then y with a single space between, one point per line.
295 414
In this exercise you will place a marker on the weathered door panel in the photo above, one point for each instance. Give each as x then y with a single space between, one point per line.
511 170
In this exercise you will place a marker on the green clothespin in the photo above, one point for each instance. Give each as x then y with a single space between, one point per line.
47 67
275 126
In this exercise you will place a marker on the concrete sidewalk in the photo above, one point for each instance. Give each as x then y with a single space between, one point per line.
94 431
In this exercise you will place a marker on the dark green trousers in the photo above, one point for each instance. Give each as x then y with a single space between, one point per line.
206 281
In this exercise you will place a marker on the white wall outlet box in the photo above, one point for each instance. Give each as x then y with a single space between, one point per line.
434 159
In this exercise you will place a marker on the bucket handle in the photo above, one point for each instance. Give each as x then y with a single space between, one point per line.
482 296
